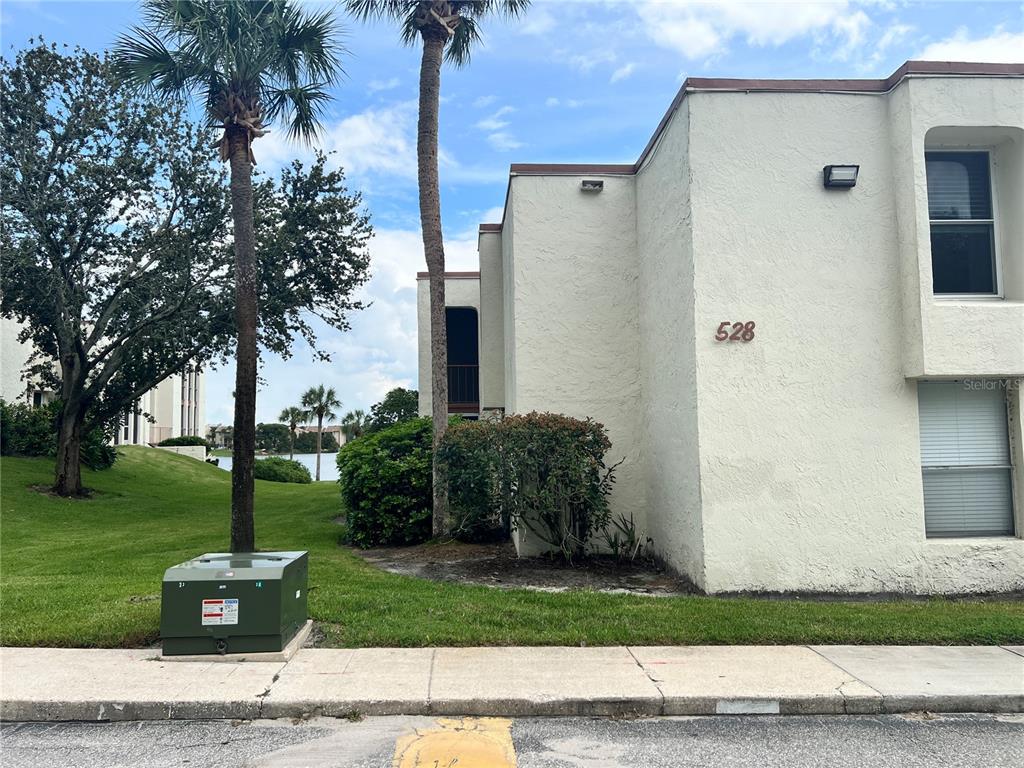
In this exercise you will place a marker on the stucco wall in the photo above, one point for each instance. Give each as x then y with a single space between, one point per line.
13 357
575 278
492 323
669 447
809 445
962 337
458 292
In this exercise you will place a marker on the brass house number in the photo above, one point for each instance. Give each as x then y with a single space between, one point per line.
730 331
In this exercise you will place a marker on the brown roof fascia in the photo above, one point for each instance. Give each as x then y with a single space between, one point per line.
546 169
953 68
451 275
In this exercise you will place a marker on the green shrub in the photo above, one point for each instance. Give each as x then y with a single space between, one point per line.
385 482
280 470
28 431
471 450
543 472
184 440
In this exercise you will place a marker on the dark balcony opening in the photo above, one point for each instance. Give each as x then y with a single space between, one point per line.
463 360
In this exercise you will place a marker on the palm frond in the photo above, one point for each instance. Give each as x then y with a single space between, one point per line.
467 34
303 107
367 10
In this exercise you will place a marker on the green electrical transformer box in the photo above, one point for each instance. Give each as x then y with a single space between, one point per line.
252 602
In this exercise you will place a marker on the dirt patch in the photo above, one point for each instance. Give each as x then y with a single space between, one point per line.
496 565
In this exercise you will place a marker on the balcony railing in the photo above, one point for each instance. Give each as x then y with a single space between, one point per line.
463 388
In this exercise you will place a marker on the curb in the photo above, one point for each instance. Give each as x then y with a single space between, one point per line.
111 711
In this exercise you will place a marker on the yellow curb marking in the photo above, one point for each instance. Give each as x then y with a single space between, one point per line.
468 742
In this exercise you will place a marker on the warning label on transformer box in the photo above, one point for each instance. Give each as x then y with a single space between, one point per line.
220 611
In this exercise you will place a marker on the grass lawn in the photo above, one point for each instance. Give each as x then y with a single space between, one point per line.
87 573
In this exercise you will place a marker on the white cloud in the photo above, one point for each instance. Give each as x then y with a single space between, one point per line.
698 29
1000 47
503 141
895 33
382 85
494 122
536 22
552 101
623 72
484 101
375 147
585 62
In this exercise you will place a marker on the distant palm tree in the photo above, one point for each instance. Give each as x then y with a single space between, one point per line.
320 402
247 62
448 29
293 416
354 424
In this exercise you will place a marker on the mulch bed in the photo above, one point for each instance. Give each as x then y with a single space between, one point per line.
496 565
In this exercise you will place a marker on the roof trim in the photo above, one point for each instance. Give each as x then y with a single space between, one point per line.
451 275
553 169
713 84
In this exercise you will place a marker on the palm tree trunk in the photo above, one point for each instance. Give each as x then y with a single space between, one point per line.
291 444
433 249
319 443
243 537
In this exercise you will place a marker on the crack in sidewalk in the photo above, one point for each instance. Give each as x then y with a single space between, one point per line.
655 683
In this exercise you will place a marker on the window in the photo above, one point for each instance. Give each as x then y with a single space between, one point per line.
965 458
962 223
37 399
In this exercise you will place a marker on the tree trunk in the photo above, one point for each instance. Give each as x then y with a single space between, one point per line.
243 536
319 443
291 444
68 474
433 249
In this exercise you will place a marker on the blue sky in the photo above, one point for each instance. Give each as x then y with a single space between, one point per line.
570 82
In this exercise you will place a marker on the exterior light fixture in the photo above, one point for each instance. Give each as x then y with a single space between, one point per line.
592 185
840 176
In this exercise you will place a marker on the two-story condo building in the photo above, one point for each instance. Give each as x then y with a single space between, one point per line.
800 315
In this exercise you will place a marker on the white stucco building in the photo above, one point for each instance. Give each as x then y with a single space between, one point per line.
177 406
813 388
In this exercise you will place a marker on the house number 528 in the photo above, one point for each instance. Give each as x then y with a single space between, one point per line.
730 331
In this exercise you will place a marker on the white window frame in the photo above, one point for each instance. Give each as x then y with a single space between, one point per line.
994 221
1016 528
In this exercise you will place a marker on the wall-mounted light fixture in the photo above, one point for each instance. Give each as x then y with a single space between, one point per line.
591 185
840 176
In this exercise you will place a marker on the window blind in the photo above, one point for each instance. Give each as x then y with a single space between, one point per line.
958 185
965 459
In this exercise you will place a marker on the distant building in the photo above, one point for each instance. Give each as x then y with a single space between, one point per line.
330 429
177 405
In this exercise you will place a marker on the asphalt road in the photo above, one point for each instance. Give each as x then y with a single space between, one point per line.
400 742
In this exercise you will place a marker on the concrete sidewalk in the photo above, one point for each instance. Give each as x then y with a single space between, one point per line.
82 684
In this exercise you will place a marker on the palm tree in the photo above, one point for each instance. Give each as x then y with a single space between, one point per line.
448 29
320 402
247 62
354 423
293 416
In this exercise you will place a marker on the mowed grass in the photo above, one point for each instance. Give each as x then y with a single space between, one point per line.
88 573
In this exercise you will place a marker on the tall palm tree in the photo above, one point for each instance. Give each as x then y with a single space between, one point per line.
320 402
354 423
293 416
449 30
247 62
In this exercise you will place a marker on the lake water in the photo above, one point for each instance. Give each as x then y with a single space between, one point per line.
328 469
